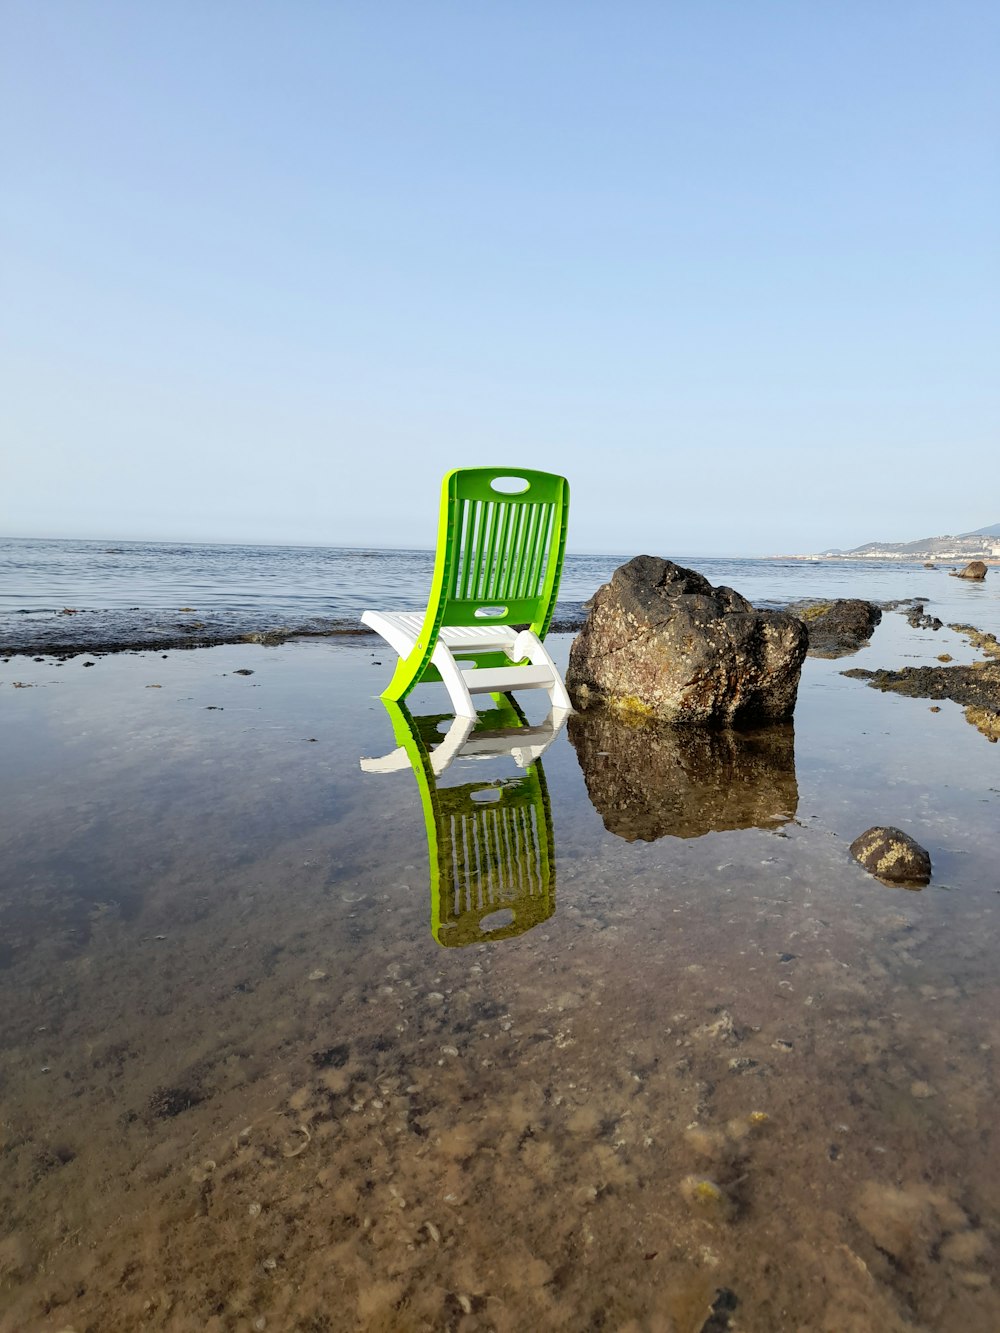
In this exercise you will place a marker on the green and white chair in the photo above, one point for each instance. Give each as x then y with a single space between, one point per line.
489 842
501 542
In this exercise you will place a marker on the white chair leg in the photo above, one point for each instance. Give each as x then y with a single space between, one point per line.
455 681
529 645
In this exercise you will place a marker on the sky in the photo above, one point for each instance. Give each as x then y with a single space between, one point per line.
270 269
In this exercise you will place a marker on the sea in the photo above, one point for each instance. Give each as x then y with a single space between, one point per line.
315 1020
60 594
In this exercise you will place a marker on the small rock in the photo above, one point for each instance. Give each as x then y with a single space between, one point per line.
921 1090
839 628
723 1029
892 856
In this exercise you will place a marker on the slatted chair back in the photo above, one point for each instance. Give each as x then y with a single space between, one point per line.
499 559
501 542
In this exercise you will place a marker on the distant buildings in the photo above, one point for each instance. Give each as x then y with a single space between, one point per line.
982 545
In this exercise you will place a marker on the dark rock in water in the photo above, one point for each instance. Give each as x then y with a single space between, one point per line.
648 779
917 618
892 855
331 1057
974 570
840 627
929 564
660 641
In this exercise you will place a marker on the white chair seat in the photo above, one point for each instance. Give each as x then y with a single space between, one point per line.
401 629
408 624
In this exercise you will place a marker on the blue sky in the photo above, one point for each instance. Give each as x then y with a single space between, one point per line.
271 268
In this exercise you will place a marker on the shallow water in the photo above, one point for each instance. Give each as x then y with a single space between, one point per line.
728 1081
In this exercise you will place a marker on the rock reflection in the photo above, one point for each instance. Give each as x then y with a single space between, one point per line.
489 842
648 780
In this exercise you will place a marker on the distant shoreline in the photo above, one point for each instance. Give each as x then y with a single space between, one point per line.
885 558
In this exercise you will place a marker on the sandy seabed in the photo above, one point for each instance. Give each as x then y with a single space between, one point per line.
732 1082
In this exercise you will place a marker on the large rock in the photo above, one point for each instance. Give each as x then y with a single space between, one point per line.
649 780
661 641
974 570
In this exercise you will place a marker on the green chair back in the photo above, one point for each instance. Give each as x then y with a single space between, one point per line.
500 553
499 560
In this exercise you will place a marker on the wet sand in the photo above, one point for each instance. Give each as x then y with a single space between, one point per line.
732 1082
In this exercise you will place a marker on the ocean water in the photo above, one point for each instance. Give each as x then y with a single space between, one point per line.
114 594
281 1049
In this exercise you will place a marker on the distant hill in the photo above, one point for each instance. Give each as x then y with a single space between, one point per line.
982 544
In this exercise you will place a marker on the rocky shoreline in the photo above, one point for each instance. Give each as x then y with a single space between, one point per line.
840 628
836 628
47 641
976 688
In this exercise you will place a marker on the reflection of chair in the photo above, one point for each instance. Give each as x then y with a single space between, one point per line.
498 563
490 844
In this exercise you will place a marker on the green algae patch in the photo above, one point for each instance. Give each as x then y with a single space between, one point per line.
813 611
630 708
